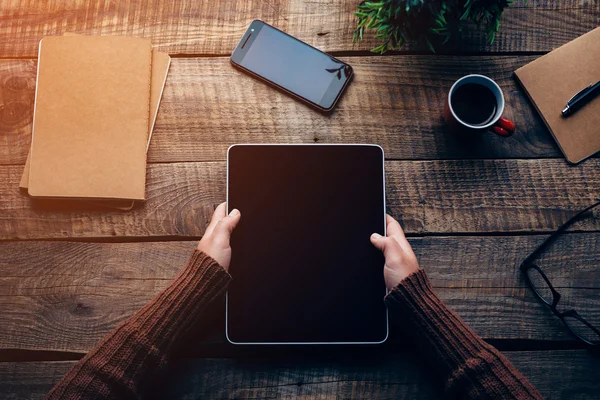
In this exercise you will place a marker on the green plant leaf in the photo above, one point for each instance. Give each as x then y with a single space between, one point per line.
429 45
465 14
373 6
396 21
371 23
382 48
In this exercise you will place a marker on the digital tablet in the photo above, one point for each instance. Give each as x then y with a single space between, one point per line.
304 270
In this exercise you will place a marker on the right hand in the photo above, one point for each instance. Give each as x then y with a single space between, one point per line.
400 260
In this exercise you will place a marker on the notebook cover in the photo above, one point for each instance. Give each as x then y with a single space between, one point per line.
90 125
551 80
160 68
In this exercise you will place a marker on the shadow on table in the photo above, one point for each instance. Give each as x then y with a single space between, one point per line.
391 370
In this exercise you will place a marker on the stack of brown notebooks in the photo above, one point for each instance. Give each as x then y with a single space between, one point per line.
96 102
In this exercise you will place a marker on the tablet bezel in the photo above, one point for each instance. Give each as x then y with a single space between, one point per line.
387 325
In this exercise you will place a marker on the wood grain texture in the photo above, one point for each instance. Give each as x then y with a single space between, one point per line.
31 380
394 101
467 196
557 375
17 93
214 27
64 296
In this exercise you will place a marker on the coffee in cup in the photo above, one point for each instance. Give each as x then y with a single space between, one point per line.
475 104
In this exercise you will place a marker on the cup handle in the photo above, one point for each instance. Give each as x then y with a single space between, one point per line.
503 127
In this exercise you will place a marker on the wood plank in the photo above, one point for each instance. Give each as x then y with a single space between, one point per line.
427 196
31 380
557 375
208 27
394 101
17 92
64 296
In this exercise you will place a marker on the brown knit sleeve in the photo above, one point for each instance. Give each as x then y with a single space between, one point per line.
124 364
473 368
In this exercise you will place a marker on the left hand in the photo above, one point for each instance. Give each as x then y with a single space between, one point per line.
215 241
400 260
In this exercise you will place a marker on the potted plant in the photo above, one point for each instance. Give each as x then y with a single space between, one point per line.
396 22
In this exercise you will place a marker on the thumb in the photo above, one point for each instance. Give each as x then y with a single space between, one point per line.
389 247
225 227
380 242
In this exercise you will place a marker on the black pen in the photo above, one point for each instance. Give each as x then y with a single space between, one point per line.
581 98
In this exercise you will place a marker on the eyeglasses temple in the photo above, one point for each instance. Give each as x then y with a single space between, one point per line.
556 233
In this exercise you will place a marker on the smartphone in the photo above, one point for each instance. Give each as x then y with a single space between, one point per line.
291 65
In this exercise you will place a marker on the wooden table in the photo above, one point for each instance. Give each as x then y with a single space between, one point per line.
473 209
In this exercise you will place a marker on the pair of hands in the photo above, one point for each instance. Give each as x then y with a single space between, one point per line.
400 260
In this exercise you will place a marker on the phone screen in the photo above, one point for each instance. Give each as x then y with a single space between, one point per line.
291 64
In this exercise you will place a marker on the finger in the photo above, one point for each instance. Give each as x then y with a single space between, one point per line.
219 214
225 227
393 229
391 249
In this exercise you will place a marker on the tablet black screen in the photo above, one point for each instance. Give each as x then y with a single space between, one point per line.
302 264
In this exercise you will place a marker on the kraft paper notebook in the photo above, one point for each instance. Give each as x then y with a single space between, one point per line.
90 141
160 68
551 80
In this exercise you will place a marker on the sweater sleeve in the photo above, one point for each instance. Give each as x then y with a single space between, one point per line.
473 369
124 364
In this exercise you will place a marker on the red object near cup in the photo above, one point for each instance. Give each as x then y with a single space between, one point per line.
497 124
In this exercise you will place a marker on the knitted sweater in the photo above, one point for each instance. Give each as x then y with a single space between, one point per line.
128 360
